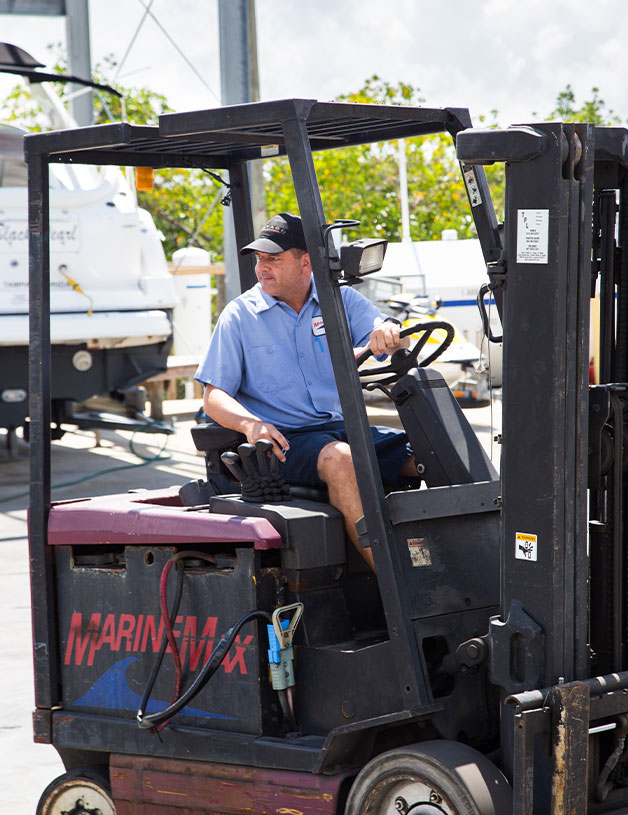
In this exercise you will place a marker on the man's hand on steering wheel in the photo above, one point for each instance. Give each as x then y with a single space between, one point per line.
400 364
385 339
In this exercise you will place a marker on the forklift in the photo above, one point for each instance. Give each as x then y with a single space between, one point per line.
220 648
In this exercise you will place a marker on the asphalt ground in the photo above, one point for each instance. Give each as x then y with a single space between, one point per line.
83 466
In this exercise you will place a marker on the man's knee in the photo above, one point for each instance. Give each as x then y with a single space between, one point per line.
334 461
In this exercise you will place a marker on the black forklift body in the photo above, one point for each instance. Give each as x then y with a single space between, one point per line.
496 605
370 649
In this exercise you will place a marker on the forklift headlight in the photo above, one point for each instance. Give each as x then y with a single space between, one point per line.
362 257
13 395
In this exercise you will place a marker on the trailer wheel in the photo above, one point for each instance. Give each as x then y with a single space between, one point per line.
78 792
432 778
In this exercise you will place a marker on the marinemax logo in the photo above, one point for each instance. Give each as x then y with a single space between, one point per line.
139 633
14 235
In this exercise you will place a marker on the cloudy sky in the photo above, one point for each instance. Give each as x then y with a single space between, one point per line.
510 55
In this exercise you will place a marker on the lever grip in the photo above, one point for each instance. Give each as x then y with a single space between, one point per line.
246 451
231 462
262 448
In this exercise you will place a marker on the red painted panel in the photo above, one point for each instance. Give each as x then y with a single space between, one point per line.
151 518
179 787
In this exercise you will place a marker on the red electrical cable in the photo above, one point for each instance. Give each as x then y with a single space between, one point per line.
165 616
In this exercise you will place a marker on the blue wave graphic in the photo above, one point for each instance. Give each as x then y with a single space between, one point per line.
111 691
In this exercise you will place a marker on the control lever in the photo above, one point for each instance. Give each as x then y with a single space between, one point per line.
262 448
261 483
246 451
231 462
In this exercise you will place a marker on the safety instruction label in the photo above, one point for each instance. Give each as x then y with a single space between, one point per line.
532 235
419 552
473 189
525 546
269 150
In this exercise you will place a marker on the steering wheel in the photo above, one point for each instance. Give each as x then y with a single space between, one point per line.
405 359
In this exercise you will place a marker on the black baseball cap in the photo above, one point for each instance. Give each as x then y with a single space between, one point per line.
282 232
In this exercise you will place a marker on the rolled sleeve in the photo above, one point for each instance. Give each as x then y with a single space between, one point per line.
223 363
362 315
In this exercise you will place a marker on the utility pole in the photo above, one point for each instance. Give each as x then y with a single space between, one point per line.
79 60
239 83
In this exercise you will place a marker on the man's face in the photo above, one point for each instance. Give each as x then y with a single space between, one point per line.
285 275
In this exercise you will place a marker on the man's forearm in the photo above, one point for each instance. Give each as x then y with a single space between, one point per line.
227 411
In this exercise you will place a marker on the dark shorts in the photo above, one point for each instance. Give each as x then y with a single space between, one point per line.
391 447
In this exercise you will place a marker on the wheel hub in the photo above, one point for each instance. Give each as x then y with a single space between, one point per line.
407 796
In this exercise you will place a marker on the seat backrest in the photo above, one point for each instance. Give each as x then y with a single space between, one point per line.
210 436
442 439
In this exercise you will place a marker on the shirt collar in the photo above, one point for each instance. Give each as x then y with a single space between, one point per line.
263 302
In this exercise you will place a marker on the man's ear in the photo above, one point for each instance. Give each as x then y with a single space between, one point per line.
306 264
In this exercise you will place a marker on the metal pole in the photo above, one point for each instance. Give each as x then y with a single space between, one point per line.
239 84
42 583
403 191
79 59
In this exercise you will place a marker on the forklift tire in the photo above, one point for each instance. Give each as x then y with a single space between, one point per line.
81 792
432 778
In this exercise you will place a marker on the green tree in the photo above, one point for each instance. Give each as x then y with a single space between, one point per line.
594 110
362 182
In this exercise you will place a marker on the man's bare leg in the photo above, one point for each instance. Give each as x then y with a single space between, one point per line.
335 468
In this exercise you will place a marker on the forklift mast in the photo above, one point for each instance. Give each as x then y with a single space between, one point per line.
563 540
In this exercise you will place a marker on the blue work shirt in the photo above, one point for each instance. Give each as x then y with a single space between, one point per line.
276 362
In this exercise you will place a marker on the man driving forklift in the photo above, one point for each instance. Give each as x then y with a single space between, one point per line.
268 374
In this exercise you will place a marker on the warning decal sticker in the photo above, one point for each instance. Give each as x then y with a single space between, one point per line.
473 189
419 552
525 546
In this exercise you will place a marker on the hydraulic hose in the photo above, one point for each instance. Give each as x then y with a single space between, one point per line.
168 624
168 617
221 650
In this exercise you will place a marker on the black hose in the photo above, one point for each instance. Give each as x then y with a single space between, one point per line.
486 288
288 715
209 669
162 650
170 616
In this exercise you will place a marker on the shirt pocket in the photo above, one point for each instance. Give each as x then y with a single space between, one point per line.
272 368
322 359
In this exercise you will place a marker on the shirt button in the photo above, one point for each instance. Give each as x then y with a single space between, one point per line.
309 382
269 350
301 356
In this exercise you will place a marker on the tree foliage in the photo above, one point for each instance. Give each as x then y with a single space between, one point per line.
362 182
594 110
